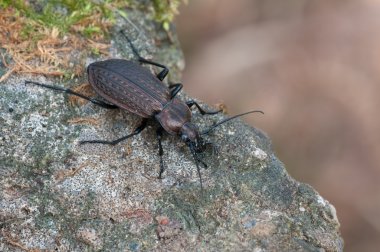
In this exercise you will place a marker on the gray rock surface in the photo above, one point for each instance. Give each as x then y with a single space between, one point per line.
58 195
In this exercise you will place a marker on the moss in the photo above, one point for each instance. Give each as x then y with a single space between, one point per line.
58 28
165 11
63 14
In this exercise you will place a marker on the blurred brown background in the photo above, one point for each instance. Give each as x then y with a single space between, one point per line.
314 68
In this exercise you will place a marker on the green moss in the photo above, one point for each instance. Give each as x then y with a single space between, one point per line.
63 14
90 18
165 11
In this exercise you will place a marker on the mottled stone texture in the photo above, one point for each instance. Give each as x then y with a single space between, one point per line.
58 195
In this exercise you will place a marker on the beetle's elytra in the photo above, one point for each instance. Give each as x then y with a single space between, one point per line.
127 85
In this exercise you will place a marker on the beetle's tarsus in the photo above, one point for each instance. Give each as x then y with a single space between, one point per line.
160 151
201 110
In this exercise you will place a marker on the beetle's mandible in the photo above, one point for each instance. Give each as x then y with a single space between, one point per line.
127 85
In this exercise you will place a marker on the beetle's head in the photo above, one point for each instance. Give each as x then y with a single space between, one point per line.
190 135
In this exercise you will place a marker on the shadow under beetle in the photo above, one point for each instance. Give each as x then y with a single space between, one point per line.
127 85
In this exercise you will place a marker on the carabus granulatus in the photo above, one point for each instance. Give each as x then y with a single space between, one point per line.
127 85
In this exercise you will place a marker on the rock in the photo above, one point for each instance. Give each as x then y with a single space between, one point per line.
58 195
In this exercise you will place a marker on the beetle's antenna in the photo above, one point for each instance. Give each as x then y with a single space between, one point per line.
229 119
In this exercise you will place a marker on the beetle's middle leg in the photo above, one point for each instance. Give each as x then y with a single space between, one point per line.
161 75
71 92
174 89
201 110
137 131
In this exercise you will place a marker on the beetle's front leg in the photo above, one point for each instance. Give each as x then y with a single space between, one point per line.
160 150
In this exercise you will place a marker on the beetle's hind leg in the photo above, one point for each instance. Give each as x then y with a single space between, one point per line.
161 75
201 110
71 92
137 131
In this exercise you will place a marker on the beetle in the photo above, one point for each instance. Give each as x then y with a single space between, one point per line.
127 85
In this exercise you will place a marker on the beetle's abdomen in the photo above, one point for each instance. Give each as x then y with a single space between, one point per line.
128 86
175 114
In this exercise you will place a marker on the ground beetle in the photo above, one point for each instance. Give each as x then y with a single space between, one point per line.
127 85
